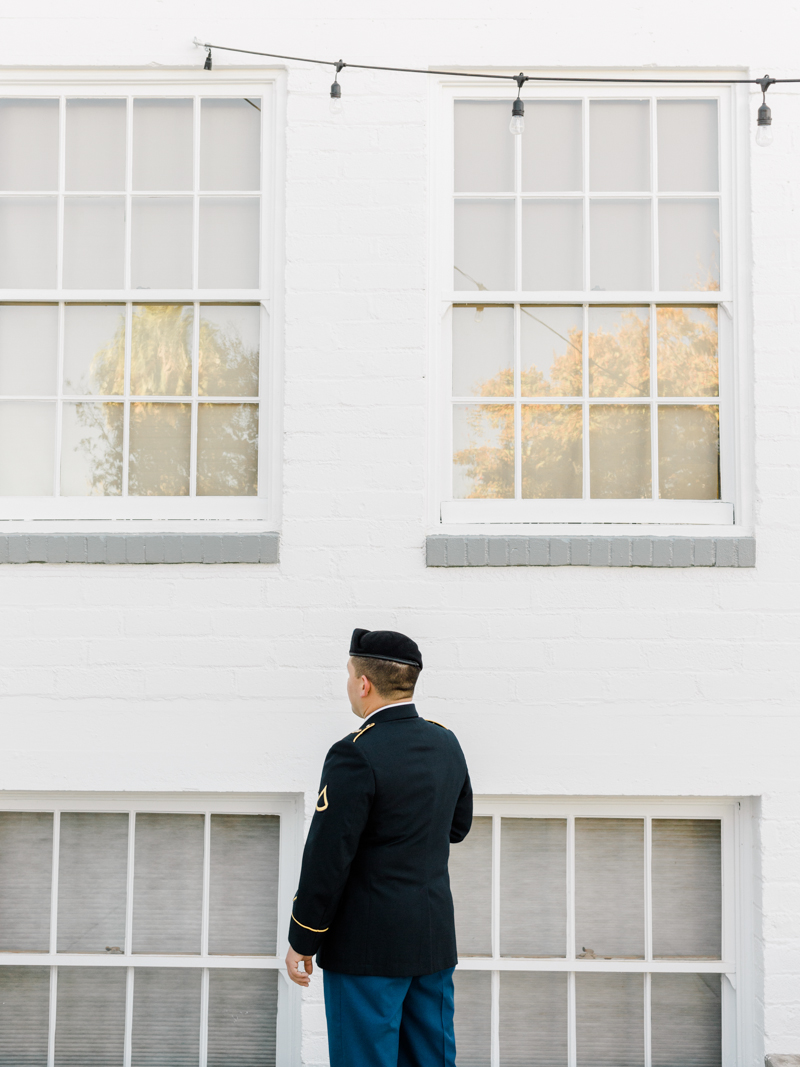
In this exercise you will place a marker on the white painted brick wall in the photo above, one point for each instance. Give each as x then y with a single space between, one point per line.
568 681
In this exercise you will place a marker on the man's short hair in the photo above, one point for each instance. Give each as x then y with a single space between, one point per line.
387 676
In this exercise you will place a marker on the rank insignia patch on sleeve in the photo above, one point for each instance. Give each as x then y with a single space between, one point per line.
322 799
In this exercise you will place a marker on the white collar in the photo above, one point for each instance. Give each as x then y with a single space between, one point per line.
397 705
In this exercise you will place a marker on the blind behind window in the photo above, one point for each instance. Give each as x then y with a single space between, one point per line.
242 1010
610 1020
687 888
533 887
166 1017
24 1014
473 1018
243 913
471 885
90 1016
686 1020
92 881
168 883
609 888
26 869
533 1020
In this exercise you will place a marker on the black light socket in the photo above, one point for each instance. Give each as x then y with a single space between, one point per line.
207 64
764 115
336 91
518 108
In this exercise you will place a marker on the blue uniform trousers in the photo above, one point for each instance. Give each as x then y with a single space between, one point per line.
375 1021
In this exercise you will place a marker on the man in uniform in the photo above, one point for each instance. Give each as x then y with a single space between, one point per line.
374 898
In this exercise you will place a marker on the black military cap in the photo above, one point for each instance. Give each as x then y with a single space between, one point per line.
385 644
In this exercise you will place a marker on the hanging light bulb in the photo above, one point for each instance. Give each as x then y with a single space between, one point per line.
478 315
517 124
336 92
207 64
764 135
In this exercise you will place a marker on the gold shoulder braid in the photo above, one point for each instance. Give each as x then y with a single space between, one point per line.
363 730
435 723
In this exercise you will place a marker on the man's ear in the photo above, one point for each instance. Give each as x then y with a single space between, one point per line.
366 686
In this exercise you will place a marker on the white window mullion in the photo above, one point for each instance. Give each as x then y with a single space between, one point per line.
572 1022
129 885
51 1024
128 1043
654 400
648 1057
126 424
206 884
195 194
128 188
495 1050
570 951
54 883
585 404
204 1019
59 402
195 356
495 1016
648 887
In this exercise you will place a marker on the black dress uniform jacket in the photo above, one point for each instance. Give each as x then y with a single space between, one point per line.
374 894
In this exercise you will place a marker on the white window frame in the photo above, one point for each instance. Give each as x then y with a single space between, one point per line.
258 512
735 508
736 965
288 807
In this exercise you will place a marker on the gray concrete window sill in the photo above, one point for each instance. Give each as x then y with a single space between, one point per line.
148 548
475 550
785 1059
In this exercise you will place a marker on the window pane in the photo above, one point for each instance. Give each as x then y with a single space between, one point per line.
95 145
687 889
27 435
552 451
533 887
94 349
484 149
688 351
242 1012
28 349
686 1020
552 157
609 889
94 242
688 452
620 244
619 449
91 449
483 351
162 144
90 1016
473 1017
610 1018
533 1019
166 1017
688 244
483 450
619 153
229 350
619 351
687 146
161 239
552 244
551 351
167 883
227 450
243 909
92 882
471 885
230 144
161 350
484 244
28 243
160 439
24 1019
28 145
229 243
26 874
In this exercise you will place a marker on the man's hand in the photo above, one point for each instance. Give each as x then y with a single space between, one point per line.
292 960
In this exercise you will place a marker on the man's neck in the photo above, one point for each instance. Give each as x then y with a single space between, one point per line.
389 704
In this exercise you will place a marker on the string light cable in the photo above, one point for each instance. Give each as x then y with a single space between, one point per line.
764 134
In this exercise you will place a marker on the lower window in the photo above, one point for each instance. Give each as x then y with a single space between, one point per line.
140 935
596 936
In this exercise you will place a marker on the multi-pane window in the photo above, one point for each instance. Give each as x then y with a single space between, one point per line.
132 938
594 938
134 274
588 379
